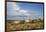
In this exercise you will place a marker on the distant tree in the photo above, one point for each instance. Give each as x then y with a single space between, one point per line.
22 21
32 21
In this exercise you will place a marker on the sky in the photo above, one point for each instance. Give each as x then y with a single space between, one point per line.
17 11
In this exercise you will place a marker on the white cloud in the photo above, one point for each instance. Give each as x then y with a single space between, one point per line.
14 10
23 11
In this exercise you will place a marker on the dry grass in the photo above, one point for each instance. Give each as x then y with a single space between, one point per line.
11 26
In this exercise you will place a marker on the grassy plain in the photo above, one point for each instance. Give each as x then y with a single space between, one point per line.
13 25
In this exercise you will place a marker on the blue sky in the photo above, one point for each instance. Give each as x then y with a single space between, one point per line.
25 10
